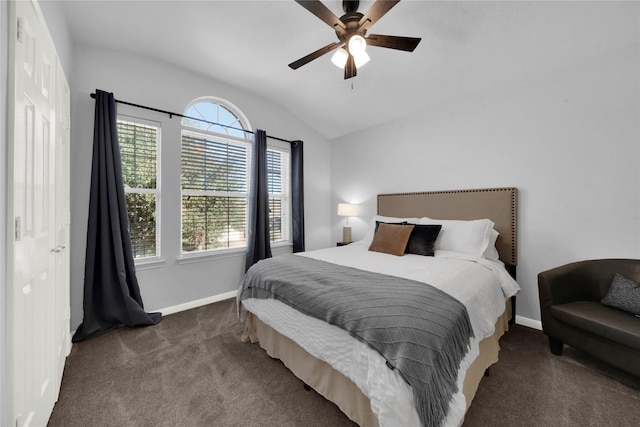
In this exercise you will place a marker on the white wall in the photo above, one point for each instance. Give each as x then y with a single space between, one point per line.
53 13
4 64
164 86
568 139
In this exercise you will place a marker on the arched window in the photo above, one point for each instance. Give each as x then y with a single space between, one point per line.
210 113
215 168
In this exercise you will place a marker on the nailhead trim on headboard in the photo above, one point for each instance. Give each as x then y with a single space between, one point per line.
513 221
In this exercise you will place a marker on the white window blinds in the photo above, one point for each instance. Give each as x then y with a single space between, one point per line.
214 181
215 178
278 185
140 157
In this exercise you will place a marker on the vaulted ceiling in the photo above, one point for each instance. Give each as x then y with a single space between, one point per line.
467 47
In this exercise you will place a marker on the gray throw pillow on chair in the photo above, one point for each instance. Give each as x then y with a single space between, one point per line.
623 294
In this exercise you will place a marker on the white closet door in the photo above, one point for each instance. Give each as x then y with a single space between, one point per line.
62 224
36 241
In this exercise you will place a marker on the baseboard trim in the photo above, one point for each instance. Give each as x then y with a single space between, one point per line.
529 323
197 303
520 320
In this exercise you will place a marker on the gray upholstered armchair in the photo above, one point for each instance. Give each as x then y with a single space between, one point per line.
572 313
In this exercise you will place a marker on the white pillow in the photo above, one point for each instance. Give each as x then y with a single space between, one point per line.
371 230
471 237
491 252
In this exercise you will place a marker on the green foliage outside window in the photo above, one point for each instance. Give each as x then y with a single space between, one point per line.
141 209
138 150
210 222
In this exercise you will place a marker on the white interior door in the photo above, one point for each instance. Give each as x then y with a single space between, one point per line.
38 234
62 225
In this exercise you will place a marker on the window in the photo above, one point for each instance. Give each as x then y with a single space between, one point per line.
139 149
278 185
215 179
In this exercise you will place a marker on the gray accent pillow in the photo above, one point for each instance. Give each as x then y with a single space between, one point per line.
623 294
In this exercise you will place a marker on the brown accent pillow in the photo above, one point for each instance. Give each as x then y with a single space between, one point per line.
391 238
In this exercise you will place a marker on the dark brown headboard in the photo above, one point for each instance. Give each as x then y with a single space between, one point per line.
497 204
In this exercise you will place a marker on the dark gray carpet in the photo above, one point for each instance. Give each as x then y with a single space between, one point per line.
192 370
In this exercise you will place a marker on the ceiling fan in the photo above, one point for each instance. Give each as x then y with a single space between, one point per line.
351 29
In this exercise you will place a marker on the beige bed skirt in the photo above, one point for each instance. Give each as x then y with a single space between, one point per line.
342 391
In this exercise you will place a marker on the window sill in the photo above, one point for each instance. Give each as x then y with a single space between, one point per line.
149 263
282 245
189 258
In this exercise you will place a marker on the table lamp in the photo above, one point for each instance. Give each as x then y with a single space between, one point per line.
347 210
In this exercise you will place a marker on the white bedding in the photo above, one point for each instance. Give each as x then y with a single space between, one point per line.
481 285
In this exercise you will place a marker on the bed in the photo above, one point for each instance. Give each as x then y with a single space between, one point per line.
350 372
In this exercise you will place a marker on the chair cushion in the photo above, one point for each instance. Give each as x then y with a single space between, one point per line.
606 322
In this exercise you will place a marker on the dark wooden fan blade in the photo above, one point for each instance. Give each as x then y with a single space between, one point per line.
350 69
393 42
317 54
322 12
376 12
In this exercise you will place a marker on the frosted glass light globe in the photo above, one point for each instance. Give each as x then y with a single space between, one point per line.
357 45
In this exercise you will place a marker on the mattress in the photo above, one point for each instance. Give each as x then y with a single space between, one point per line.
483 286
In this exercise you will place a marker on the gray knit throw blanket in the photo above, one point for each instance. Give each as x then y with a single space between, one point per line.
420 330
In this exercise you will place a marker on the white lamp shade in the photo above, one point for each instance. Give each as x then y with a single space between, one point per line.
340 58
361 59
347 209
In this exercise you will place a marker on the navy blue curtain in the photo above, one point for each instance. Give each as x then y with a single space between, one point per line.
258 239
111 292
297 196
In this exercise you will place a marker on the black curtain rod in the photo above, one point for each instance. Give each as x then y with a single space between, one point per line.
170 114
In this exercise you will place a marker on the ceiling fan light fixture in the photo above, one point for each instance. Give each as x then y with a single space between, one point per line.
339 58
350 29
357 45
361 59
